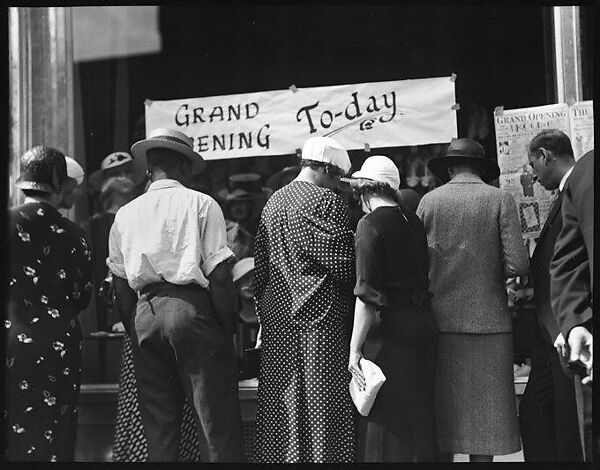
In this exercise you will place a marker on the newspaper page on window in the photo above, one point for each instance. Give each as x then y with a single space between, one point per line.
582 127
514 130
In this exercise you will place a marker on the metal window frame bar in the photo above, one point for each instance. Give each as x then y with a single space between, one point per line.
567 53
41 83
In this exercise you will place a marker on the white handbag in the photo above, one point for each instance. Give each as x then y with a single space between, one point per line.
374 378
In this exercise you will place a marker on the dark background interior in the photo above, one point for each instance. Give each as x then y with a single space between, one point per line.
498 54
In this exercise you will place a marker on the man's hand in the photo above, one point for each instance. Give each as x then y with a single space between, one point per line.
562 348
355 370
588 379
125 302
581 345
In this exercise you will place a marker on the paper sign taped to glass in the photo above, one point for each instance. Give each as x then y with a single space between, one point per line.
374 379
514 130
382 114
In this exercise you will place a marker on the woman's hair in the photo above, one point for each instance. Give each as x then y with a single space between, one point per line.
375 188
327 167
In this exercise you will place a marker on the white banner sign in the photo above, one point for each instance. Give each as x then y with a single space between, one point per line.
381 114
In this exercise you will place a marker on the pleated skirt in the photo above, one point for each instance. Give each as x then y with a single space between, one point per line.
475 403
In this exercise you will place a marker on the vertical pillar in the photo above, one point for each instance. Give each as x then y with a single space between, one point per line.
41 84
567 48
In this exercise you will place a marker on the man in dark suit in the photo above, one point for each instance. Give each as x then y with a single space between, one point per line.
572 282
548 412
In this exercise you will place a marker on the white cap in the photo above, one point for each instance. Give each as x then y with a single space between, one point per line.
379 168
115 159
241 268
326 150
74 170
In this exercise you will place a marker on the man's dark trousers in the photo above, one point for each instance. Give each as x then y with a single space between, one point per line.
548 411
181 350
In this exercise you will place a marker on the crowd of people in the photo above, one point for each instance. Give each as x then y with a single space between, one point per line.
418 288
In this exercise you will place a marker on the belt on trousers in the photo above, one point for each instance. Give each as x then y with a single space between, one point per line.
152 289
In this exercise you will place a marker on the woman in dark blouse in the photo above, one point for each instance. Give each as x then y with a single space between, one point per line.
49 282
392 284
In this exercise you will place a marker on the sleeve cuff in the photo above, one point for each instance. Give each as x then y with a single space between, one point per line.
371 296
116 268
576 320
217 258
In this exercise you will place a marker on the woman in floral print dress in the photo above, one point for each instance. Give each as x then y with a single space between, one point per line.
49 282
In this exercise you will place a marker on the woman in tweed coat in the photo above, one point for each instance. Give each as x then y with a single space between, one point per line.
474 243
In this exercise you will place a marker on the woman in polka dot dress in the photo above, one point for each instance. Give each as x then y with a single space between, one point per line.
49 282
304 273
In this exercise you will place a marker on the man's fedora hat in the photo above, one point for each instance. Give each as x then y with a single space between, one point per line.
169 139
464 151
244 186
282 177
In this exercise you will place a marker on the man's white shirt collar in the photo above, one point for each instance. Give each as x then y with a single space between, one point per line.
563 181
164 183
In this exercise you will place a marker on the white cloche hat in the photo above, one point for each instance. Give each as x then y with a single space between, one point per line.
379 168
74 170
326 150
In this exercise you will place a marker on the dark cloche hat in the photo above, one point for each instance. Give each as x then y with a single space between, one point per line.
42 169
464 151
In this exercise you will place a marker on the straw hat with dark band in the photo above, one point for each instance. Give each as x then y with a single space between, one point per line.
169 139
464 151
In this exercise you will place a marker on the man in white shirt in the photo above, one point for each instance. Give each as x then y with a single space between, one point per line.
169 246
